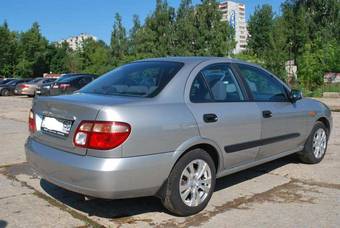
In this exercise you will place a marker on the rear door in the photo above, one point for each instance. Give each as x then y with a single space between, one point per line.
283 122
222 111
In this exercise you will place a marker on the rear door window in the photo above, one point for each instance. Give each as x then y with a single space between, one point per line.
216 83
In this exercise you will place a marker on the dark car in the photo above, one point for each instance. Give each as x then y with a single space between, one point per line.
4 81
30 88
8 88
68 85
45 89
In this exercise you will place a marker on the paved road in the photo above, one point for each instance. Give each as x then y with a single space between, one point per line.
283 193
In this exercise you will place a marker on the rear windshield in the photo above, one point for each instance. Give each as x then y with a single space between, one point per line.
142 79
69 79
36 80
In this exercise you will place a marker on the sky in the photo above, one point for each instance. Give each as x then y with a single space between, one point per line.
60 19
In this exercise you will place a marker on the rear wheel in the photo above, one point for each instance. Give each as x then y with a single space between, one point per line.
190 184
316 145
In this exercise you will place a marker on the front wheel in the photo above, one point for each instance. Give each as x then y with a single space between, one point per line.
316 145
190 184
5 92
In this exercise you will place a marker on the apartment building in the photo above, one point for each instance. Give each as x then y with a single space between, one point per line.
76 42
234 14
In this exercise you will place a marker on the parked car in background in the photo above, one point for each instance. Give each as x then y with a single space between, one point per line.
4 81
68 85
30 87
169 127
45 89
8 88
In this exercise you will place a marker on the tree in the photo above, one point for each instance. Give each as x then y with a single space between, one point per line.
213 35
158 30
276 54
310 72
260 27
119 42
8 48
95 56
135 38
59 57
185 32
33 49
297 29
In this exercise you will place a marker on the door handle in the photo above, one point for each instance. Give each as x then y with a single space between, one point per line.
267 114
209 118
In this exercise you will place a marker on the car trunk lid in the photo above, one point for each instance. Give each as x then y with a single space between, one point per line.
58 117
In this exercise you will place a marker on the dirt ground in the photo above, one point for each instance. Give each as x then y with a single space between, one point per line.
282 193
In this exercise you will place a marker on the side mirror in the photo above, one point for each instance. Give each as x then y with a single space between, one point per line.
295 95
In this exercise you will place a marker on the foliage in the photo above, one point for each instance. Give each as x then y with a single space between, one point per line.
8 46
306 32
118 38
33 53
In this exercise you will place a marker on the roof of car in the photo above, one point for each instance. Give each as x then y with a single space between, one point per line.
192 59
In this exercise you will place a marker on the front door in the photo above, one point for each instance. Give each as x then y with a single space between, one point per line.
283 122
223 113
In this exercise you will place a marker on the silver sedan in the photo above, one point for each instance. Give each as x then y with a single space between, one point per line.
169 127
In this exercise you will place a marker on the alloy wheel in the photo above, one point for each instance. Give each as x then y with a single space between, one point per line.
319 143
195 183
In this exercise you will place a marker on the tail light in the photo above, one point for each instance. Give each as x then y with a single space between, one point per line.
64 86
101 135
23 86
31 122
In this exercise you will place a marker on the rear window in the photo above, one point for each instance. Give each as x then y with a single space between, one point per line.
36 80
69 79
142 79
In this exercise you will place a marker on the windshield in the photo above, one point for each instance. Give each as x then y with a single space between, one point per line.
143 79
13 82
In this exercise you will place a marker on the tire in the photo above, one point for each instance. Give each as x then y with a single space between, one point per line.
5 92
309 154
172 199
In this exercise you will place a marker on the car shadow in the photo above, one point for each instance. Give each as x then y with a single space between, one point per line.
113 209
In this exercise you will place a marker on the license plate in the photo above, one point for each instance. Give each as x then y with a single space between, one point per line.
56 126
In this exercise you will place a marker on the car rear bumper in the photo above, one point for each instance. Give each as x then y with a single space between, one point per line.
109 178
24 91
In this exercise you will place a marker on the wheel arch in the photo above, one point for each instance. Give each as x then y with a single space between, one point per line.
326 122
206 144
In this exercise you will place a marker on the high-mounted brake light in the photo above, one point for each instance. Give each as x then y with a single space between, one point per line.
64 86
31 122
101 135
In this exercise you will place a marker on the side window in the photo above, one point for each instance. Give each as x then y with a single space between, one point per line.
263 86
199 91
218 83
